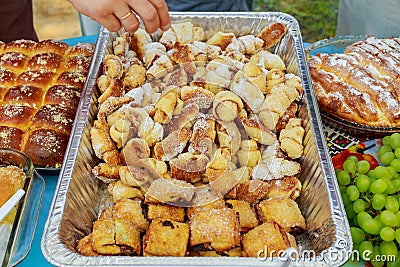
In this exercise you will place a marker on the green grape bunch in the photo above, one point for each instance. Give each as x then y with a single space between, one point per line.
372 200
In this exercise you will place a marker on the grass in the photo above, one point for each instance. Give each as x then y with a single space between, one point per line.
317 19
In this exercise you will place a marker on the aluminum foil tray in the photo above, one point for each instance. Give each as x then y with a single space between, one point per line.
79 195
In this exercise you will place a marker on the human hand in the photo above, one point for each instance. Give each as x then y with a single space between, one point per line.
114 14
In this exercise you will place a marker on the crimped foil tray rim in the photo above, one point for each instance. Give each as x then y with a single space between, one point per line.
56 253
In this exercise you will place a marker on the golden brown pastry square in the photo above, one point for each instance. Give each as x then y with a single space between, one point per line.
85 247
217 229
268 237
127 237
166 238
54 116
103 237
166 212
131 210
283 211
247 216
114 237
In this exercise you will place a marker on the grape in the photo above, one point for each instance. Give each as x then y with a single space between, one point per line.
355 221
396 184
387 233
389 218
388 248
387 157
366 249
362 183
395 164
346 200
378 201
372 175
382 172
350 212
375 260
358 235
377 186
383 149
395 263
395 140
392 204
386 140
391 170
390 187
352 158
343 178
397 235
362 216
397 152
353 192
371 226
342 189
362 166
349 166
359 205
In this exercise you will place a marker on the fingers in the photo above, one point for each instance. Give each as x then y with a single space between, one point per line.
113 14
128 21
162 10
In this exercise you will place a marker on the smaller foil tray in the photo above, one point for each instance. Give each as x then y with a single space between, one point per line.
79 196
338 45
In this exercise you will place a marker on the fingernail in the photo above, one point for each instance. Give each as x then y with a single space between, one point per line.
166 27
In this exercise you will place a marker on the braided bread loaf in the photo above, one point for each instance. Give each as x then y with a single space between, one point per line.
40 89
362 84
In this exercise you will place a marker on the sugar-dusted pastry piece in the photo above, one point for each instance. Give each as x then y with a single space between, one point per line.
291 138
268 60
287 187
248 155
272 34
184 33
106 172
172 145
276 103
283 211
188 166
221 39
273 166
115 237
227 106
85 246
268 238
247 215
166 238
166 212
119 190
203 135
215 228
257 131
103 146
170 191
247 44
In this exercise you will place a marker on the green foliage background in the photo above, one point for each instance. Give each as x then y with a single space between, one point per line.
317 19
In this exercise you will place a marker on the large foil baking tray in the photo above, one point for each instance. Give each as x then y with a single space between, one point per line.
79 195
